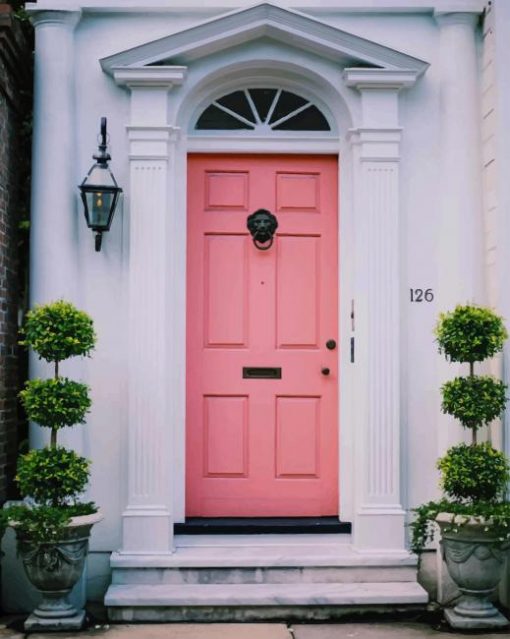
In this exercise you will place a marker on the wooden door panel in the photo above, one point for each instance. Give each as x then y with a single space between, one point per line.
225 316
262 447
297 285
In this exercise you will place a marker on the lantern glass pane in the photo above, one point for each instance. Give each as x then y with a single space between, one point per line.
99 204
100 176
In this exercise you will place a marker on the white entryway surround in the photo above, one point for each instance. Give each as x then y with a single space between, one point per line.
108 59
206 49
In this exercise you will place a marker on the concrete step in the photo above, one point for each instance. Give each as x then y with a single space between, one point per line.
263 574
244 602
296 562
269 577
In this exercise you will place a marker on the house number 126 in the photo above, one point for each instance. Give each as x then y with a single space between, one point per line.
421 295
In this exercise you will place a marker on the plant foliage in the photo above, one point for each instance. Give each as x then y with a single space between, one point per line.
45 524
56 403
52 476
496 516
474 473
42 524
474 401
470 334
58 330
474 476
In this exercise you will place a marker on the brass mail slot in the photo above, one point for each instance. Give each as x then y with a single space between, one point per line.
263 372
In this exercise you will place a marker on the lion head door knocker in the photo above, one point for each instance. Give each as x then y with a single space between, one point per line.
262 225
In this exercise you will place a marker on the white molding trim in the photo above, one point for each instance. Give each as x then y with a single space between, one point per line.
380 78
164 76
448 16
69 17
261 20
336 6
252 144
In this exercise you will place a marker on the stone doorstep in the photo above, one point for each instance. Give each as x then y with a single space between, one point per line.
227 553
232 595
295 579
263 574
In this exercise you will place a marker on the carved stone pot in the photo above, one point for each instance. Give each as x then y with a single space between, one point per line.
475 558
54 569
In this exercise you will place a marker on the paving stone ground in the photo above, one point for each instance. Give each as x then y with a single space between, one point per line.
10 629
395 630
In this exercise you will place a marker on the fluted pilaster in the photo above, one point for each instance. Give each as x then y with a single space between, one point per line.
147 519
379 516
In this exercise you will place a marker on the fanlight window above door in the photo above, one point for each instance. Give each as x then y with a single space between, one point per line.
262 111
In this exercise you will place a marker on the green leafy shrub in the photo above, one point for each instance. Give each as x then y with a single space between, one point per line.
423 526
56 403
58 331
52 476
474 401
45 524
474 473
42 524
474 477
470 334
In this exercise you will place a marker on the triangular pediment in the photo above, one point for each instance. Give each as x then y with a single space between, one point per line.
264 20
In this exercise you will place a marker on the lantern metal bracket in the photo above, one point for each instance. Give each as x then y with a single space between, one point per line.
100 191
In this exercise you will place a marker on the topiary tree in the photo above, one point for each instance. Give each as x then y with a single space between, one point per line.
57 332
472 334
52 530
474 477
54 476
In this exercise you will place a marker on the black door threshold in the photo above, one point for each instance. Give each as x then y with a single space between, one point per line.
261 525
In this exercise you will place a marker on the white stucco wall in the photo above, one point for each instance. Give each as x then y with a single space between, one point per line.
103 276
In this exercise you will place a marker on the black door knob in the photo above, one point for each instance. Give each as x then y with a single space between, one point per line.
325 371
331 344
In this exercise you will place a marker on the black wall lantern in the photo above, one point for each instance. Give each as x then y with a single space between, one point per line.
262 226
100 191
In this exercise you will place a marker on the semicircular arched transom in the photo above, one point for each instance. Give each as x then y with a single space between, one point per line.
262 110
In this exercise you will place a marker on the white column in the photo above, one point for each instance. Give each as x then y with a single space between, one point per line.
147 519
461 229
379 516
460 235
53 239
54 213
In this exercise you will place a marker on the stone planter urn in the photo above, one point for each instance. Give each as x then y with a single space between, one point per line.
54 569
475 559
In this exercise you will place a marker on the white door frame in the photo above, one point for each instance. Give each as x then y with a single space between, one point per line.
364 103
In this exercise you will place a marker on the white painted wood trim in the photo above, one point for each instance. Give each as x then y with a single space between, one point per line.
262 19
326 6
368 218
272 144
147 520
379 515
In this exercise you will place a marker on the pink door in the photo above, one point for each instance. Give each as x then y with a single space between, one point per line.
256 446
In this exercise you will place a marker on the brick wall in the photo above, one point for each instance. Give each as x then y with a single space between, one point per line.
15 82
